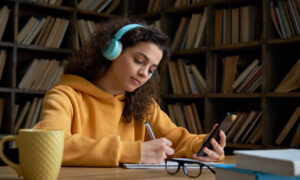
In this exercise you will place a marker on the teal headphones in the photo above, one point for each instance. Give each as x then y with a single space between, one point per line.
114 47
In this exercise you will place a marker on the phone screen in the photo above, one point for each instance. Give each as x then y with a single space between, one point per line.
214 135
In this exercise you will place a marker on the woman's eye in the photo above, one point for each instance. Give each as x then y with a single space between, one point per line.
138 61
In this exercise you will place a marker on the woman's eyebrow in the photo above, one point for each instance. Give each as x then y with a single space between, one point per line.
146 57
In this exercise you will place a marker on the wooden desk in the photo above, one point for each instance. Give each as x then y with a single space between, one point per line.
82 173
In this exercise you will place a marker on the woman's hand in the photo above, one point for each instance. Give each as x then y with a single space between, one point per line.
156 151
218 148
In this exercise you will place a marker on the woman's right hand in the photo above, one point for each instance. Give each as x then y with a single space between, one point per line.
156 151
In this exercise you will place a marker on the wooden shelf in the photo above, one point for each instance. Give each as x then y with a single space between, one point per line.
231 2
294 40
95 14
44 49
20 56
189 52
284 95
185 9
244 146
183 96
47 6
150 15
237 47
21 91
244 95
276 56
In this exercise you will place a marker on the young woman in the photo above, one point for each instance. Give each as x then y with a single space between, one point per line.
107 93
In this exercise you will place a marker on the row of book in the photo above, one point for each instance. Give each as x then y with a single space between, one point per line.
291 81
234 25
227 79
186 116
293 122
156 24
243 127
2 105
3 56
44 32
85 30
180 3
42 74
52 2
4 15
186 78
154 6
269 164
28 114
285 16
190 32
232 74
100 6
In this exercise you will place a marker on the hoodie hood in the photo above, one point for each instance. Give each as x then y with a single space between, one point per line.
80 84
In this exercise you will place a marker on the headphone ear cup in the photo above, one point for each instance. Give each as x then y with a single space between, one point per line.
113 49
150 75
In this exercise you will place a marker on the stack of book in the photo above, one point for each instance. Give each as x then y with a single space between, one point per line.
3 56
190 33
45 31
235 25
4 15
245 128
291 81
28 114
41 74
228 77
85 30
154 6
283 164
103 6
186 78
187 116
286 17
291 127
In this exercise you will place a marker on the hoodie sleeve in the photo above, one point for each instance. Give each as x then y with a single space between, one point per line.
184 143
81 150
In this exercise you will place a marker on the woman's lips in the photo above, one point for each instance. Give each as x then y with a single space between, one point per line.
135 81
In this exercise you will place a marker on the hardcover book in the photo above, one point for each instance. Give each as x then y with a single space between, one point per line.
284 162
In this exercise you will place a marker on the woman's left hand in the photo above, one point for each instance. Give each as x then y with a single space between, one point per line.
218 148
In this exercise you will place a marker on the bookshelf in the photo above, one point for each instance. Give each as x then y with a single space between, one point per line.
20 56
276 55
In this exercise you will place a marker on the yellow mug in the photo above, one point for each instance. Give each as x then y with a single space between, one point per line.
40 153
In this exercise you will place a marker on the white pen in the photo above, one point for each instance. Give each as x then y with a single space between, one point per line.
148 126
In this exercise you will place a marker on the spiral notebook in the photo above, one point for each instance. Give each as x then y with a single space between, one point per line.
162 164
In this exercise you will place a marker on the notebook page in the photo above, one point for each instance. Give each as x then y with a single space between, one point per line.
162 164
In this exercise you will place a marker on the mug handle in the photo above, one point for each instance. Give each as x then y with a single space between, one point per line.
4 158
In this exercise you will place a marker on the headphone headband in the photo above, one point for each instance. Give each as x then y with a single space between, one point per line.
114 47
125 29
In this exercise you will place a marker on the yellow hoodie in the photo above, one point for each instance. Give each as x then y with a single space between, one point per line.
95 135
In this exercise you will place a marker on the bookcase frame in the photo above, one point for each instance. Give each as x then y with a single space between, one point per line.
276 107
19 56
276 55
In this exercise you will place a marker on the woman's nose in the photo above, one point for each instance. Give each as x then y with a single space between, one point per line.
144 72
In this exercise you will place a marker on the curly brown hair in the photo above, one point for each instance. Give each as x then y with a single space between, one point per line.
90 64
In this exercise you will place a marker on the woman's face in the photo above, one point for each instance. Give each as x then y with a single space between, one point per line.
133 67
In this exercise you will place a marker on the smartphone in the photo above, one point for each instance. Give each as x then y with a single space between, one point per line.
214 134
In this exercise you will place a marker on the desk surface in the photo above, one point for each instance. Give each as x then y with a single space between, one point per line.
76 173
